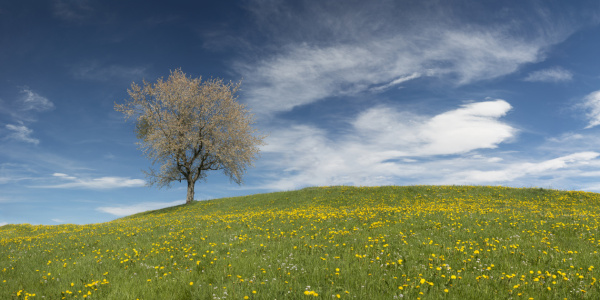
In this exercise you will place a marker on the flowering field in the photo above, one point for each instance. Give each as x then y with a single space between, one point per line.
427 242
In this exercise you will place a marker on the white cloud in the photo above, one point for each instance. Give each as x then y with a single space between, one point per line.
21 133
64 176
58 220
376 150
568 137
307 158
126 210
3 223
395 82
23 113
305 74
515 171
33 101
24 108
382 46
473 126
591 102
94 183
555 74
386 146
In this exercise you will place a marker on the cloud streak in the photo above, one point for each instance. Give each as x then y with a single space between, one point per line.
591 103
23 111
556 74
100 183
35 102
396 82
21 133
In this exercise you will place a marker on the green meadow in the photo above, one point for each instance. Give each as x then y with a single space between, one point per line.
414 242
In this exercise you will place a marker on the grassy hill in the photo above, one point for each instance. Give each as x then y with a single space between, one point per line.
427 242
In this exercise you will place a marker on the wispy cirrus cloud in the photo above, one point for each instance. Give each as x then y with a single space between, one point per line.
23 111
93 183
591 103
25 108
34 102
379 46
126 210
21 133
396 82
305 74
556 74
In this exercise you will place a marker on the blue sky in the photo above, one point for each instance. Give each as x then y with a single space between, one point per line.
350 92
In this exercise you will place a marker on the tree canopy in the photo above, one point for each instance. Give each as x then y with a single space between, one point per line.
187 127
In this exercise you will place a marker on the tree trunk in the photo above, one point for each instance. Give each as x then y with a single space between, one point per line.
190 192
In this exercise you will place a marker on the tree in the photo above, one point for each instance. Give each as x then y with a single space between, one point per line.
188 127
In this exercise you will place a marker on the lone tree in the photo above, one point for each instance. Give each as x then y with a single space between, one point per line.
189 127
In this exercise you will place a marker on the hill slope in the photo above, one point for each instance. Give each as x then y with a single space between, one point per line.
432 242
